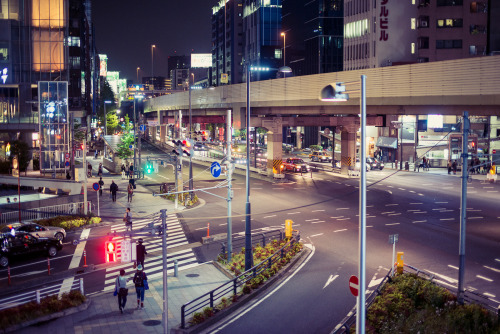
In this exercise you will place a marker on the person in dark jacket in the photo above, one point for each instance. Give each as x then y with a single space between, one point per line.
141 252
101 184
113 188
139 278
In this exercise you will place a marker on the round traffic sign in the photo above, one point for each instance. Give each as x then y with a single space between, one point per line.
354 285
66 163
215 169
130 146
95 186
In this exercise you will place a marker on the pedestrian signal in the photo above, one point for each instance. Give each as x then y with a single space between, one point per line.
110 251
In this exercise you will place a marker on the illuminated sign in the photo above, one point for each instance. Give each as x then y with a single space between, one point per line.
434 121
203 60
384 20
103 65
4 75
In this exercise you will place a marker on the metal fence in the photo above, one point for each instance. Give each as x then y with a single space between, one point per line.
257 239
37 295
45 212
233 286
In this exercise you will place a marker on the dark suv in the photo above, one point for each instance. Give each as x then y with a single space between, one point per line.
24 245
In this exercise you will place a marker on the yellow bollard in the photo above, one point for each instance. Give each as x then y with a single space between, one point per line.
288 228
399 262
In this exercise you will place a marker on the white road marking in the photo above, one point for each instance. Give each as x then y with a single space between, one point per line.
337 217
441 202
343 218
489 294
498 260
77 256
417 203
269 216
394 214
342 208
421 212
402 189
317 210
293 213
392 204
419 221
392 224
371 216
485 278
447 219
452 267
309 220
412 191
471 210
439 209
390 187
449 279
390 192
494 269
413 210
330 280
342 230
316 235
419 194
271 293
319 221
223 224
475 217
386 212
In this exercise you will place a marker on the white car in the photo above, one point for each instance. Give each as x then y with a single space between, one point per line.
36 230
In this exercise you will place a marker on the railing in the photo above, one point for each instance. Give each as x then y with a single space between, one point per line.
231 287
45 212
469 297
257 239
37 295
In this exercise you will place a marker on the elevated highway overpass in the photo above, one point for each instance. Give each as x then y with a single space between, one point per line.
446 87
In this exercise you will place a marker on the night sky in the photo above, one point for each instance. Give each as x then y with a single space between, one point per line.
125 31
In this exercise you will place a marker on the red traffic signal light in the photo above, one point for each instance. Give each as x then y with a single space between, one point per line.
110 251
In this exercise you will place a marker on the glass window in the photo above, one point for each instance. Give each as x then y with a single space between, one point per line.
4 54
449 3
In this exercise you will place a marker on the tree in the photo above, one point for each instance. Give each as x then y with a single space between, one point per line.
23 152
112 122
106 95
126 140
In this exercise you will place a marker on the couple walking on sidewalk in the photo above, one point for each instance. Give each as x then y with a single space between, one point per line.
140 281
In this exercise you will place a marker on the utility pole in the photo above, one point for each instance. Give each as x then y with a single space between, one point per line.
165 280
86 175
229 188
190 136
463 207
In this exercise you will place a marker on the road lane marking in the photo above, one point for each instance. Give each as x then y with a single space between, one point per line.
394 214
416 203
402 189
386 212
316 235
310 220
475 217
439 209
317 210
371 216
419 194
489 294
343 218
390 192
330 280
412 191
453 267
270 293
419 221
392 204
485 278
494 269
223 224
269 216
77 256
319 221
342 208
370 206
441 202
392 224
498 260
413 210
293 213
342 230
421 212
390 187
337 217
447 219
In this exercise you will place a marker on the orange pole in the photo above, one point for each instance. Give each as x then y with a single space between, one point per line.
208 231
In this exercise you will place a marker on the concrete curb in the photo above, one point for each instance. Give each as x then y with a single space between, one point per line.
49 317
244 299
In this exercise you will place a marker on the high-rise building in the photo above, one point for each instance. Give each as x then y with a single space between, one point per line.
49 41
262 36
227 42
176 63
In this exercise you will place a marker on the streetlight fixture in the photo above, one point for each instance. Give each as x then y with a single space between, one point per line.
248 224
152 62
334 93
284 45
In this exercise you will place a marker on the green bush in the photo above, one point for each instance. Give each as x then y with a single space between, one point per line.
32 310
68 222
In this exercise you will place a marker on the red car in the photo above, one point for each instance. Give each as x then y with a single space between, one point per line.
296 165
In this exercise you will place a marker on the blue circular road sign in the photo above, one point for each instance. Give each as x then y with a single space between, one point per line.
67 163
130 146
95 186
215 169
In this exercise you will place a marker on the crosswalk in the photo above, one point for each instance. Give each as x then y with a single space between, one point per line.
153 265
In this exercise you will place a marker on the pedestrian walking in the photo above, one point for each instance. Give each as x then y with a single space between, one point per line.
96 153
130 192
99 170
113 188
101 184
141 284
140 251
454 167
89 169
449 166
123 172
127 219
131 170
121 290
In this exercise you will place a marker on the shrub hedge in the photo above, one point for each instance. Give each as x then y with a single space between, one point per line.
68 222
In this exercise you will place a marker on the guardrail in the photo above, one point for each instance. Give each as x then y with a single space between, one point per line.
469 297
257 239
45 212
37 295
231 287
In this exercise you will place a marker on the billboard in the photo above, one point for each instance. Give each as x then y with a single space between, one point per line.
203 60
103 65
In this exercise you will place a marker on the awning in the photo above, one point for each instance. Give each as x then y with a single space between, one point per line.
387 142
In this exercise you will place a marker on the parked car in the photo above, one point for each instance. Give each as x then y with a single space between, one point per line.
374 163
200 147
22 245
296 165
36 230
320 156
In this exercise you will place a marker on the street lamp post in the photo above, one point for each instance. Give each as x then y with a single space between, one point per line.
138 68
284 45
336 92
190 137
152 62
106 123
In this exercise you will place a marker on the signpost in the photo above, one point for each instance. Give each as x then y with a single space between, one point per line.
126 251
354 285
215 169
393 238
96 187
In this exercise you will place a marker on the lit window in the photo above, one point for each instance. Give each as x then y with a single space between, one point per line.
440 23
413 23
277 53
412 48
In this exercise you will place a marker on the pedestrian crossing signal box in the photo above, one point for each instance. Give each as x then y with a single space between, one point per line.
288 228
110 251
399 262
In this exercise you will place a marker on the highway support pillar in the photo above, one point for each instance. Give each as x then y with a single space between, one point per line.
274 146
348 148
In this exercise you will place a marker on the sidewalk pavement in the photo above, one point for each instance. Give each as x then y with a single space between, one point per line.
103 315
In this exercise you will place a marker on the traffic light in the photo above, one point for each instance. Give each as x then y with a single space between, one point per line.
149 167
204 135
110 250
183 147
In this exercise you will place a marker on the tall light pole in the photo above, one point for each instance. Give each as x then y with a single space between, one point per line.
190 137
138 68
106 123
336 92
152 61
284 45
